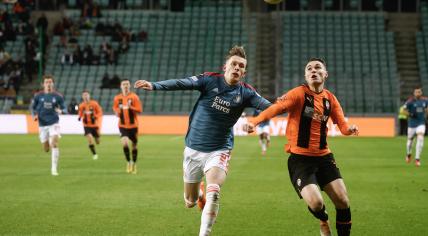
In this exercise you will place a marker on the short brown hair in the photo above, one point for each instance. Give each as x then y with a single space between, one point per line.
45 77
124 80
317 59
236 51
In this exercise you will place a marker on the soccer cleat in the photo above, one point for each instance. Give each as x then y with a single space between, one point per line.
134 168
129 168
409 158
417 162
201 198
325 228
95 157
54 172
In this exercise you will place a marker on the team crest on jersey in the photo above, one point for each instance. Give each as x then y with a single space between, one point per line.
53 100
42 99
237 98
299 182
327 104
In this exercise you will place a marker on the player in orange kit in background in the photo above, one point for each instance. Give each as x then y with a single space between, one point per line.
90 112
127 106
311 162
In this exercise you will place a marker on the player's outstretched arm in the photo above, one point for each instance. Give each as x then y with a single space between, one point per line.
146 85
267 114
189 83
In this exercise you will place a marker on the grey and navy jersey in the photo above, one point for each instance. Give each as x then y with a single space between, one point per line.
416 109
218 108
44 105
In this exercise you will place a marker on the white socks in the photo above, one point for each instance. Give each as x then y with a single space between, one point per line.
419 146
209 214
55 157
264 147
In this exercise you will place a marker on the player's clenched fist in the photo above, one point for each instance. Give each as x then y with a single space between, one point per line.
354 129
146 85
248 127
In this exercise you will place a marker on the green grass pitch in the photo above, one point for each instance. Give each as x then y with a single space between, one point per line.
388 196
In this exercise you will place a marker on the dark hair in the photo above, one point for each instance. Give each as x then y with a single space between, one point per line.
45 77
85 91
317 59
236 51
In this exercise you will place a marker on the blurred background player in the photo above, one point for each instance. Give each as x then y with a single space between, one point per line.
237 128
127 106
311 162
90 112
417 110
263 131
46 107
209 138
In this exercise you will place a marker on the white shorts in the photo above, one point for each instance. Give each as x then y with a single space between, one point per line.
46 132
264 129
196 163
411 132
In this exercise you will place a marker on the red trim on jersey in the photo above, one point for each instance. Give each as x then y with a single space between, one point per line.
38 92
247 86
58 93
213 74
53 92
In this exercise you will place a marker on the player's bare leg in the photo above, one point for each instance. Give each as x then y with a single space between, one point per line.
311 194
262 141
124 140
336 190
409 149
91 141
215 178
134 158
46 146
55 154
191 194
419 146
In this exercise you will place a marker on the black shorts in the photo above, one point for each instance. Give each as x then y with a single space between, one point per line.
92 130
306 170
132 134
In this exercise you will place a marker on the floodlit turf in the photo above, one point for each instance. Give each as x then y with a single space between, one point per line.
388 196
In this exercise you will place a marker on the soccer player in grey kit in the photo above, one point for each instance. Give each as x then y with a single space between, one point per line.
46 107
209 138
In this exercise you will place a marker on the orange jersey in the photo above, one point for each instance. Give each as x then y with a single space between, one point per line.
308 113
90 113
127 109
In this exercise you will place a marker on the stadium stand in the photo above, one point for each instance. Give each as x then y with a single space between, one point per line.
179 44
422 46
359 53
